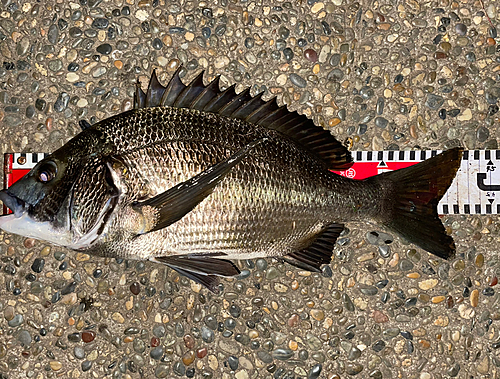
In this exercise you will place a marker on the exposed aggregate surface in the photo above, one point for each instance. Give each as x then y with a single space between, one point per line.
393 75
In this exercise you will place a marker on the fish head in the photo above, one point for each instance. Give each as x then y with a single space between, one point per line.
66 199
39 201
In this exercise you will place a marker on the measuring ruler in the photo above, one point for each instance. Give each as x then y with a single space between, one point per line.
474 190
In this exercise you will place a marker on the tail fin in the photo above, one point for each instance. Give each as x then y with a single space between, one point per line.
410 209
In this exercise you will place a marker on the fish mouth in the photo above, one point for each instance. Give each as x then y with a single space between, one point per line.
15 204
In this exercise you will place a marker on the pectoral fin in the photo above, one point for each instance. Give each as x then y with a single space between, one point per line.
201 269
173 204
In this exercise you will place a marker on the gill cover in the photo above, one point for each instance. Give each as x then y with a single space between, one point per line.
94 197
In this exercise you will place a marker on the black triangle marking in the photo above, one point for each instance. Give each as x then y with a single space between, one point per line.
382 164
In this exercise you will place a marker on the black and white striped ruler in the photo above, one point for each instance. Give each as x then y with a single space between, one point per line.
475 190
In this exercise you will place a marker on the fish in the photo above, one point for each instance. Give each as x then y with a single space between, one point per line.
195 177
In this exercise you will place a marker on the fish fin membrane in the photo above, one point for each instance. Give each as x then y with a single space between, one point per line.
319 252
209 281
244 106
173 204
411 208
203 270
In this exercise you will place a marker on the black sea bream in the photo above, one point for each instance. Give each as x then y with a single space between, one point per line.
194 176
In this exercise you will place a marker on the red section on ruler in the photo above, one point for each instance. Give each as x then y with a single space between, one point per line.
362 170
10 175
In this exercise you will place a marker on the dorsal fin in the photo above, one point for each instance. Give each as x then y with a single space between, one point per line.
243 106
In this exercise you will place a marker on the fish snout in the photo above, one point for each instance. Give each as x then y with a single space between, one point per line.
16 205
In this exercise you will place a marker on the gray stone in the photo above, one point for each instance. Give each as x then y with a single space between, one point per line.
282 354
315 371
453 370
264 356
16 321
79 352
157 352
22 46
24 337
298 80
53 34
207 334
61 102
434 102
482 134
461 29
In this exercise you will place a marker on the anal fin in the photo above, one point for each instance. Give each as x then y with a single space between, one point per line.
319 252
201 269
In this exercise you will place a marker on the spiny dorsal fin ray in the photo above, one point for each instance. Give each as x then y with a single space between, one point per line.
155 91
209 92
173 89
139 97
245 107
192 91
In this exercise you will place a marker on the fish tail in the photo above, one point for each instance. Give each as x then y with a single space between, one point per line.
412 195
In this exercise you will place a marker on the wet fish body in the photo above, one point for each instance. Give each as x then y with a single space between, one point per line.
195 176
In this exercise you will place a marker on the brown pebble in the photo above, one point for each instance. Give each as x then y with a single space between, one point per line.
379 317
479 260
294 320
55 365
189 341
424 343
317 314
311 55
423 298
334 121
413 131
167 40
474 298
88 336
201 353
58 331
379 17
155 341
449 302
440 55
29 243
9 313
398 87
384 26
135 288
188 357
118 64
49 123
493 281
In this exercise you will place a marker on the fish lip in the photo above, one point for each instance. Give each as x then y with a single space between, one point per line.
15 204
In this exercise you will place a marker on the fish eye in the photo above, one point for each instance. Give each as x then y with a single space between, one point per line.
46 172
